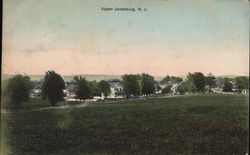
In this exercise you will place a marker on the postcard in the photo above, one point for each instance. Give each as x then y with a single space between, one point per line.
125 77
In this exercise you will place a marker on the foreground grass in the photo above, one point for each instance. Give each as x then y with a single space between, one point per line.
203 124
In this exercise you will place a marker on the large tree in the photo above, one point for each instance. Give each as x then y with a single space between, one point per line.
83 88
187 86
18 88
53 87
94 86
130 85
227 85
210 81
4 87
198 79
104 88
147 84
242 82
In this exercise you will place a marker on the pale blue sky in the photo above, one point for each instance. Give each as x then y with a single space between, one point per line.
192 30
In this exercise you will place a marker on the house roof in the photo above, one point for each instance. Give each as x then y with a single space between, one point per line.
71 87
113 84
168 84
38 86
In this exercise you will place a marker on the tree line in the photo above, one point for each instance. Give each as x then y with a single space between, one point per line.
19 86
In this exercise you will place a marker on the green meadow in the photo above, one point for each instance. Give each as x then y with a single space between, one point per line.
197 124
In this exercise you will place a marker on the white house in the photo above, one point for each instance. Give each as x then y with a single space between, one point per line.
166 84
37 90
116 90
174 88
71 90
245 91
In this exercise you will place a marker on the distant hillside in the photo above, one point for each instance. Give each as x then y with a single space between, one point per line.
229 76
70 77
99 77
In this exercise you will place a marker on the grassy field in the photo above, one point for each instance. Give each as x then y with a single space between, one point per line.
200 124
32 103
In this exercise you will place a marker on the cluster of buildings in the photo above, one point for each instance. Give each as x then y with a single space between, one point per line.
173 86
71 89
118 92
219 88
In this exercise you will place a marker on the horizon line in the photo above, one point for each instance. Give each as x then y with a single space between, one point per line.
122 74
